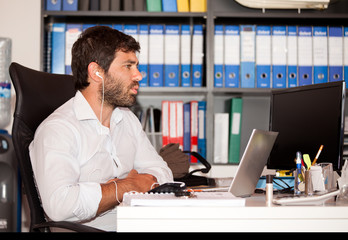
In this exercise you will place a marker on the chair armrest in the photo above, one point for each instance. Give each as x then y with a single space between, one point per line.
77 227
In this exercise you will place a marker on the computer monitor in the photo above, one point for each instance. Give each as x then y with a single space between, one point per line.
307 117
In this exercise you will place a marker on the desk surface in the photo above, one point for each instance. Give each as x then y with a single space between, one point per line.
254 217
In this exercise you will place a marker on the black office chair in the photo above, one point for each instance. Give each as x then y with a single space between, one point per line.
38 94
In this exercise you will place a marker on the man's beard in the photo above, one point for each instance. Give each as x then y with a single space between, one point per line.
117 95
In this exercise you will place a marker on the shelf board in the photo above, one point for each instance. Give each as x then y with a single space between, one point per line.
233 9
243 91
122 14
172 90
282 15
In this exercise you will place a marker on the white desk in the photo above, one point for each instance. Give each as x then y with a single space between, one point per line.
254 217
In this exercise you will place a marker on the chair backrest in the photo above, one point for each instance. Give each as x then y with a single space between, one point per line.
38 94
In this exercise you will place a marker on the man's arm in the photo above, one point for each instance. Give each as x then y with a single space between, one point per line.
133 182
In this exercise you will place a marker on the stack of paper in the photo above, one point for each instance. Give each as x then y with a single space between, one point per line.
199 199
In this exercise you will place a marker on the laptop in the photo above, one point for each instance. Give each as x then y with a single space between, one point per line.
244 183
252 162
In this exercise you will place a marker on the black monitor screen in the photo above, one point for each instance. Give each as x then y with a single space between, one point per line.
307 117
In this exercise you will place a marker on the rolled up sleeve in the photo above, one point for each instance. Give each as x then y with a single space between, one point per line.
57 172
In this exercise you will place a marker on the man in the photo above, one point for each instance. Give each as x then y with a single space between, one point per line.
92 149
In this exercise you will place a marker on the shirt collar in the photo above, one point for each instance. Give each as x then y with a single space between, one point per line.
84 111
82 108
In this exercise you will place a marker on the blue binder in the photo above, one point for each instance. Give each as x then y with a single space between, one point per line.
58 48
169 6
118 27
132 30
185 49
202 109
279 56
232 56
336 53
218 55
197 56
187 127
346 57
292 56
156 55
72 33
305 63
320 54
53 5
106 25
70 5
171 56
144 54
263 56
87 25
247 63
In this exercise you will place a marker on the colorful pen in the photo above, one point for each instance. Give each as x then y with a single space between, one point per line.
316 157
298 172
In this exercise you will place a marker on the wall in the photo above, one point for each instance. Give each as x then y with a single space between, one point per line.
20 21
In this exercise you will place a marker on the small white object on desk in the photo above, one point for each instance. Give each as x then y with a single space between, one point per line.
305 200
199 199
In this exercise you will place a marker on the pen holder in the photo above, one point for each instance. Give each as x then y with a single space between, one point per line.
304 182
308 183
327 176
319 179
342 198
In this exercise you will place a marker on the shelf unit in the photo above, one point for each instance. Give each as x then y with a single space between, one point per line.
256 102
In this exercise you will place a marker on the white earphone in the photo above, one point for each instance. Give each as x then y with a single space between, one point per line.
102 102
98 74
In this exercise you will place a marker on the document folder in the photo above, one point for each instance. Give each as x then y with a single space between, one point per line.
236 109
70 5
144 54
221 123
185 48
247 62
279 56
218 56
53 5
187 127
320 54
132 30
71 34
171 56
335 53
263 56
231 56
58 48
345 54
197 56
202 109
169 6
183 5
153 5
292 56
156 55
305 55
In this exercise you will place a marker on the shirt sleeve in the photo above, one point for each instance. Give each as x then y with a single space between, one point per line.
53 154
147 160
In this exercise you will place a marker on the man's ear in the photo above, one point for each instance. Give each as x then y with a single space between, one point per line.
95 72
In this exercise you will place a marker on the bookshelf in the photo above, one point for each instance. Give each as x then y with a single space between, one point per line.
256 102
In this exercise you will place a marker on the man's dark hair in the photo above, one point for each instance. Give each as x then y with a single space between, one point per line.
98 44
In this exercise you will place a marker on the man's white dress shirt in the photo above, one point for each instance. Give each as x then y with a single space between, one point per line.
72 153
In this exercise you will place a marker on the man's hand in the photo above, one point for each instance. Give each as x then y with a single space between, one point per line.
137 182
133 182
